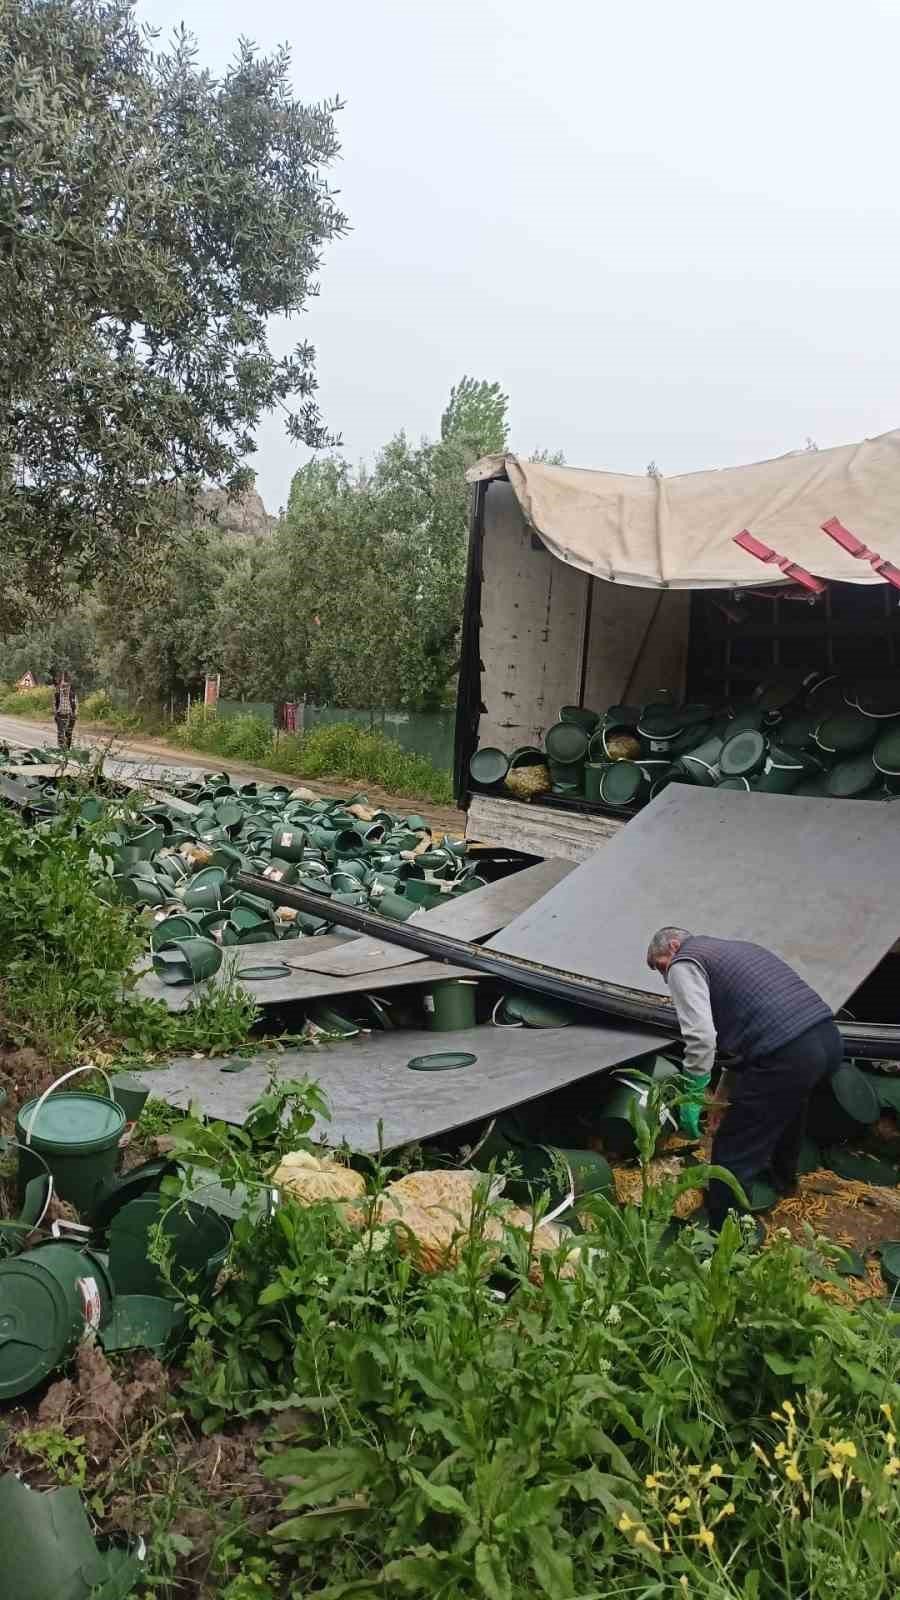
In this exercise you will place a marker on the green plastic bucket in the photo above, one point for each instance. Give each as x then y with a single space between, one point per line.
702 762
51 1299
623 784
187 960
488 767
851 778
593 775
886 756
846 733
566 777
613 1124
581 716
566 743
130 1094
77 1135
742 784
661 727
197 1236
450 1005
743 754
527 755
782 771
288 844
174 927
843 1106
520 1009
890 1264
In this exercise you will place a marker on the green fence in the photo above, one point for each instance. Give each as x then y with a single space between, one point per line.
426 733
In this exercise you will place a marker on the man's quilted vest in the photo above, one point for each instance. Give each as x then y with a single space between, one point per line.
759 1003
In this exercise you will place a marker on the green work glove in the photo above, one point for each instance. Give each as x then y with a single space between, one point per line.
693 1095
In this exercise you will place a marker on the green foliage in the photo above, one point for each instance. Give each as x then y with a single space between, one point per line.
37 702
476 415
341 751
67 641
67 956
671 1418
61 1453
98 707
154 219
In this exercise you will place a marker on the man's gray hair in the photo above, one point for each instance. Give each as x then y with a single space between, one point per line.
659 944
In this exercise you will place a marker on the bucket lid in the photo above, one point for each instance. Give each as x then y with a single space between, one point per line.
851 777
71 1124
35 1324
846 732
488 765
582 715
622 783
743 754
855 1094
442 1061
566 742
887 751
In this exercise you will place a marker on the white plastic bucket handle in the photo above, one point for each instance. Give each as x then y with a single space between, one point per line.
64 1079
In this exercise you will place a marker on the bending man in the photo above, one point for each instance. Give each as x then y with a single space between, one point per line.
750 1004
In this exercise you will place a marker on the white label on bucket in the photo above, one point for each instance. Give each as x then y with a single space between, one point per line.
287 840
91 1303
274 872
655 744
429 1004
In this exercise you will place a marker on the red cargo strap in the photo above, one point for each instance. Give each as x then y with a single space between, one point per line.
764 552
848 541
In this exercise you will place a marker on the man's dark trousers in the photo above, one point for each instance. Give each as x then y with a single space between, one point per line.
765 1122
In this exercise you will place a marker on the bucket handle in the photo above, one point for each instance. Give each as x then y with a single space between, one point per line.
73 1073
13 1144
569 1200
497 1024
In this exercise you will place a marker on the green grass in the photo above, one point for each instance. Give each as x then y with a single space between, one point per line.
351 754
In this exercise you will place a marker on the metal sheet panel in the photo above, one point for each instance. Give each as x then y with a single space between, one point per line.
367 1079
817 881
468 916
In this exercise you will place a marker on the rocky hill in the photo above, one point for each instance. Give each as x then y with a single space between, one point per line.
242 518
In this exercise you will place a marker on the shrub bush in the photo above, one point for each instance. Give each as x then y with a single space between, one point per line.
28 702
352 754
98 707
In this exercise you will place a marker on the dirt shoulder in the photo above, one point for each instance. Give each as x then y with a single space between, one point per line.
446 818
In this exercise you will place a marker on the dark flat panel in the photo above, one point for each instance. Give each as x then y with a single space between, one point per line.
367 1078
467 916
818 881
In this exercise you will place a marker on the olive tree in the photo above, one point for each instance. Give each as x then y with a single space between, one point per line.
153 218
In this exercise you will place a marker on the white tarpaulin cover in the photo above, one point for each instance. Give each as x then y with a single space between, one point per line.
679 532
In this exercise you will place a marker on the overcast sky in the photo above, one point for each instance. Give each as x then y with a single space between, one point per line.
670 230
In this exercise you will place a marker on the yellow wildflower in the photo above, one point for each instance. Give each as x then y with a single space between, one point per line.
780 1450
792 1471
626 1523
684 1504
667 1544
892 1467
715 1471
759 1452
653 1482
693 1472
726 1511
642 1537
789 1410
836 1468
845 1449
776 1416
890 1440
887 1412
674 1519
706 1537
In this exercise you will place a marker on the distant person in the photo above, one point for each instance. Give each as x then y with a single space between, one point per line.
65 710
750 1004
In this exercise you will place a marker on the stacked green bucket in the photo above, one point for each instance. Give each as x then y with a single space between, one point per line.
802 733
180 874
